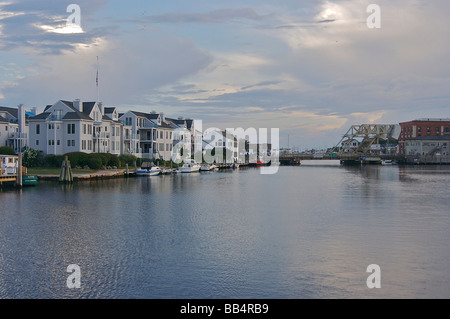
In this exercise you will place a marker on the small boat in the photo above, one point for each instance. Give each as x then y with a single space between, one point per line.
387 162
190 168
167 171
29 180
207 168
235 165
153 171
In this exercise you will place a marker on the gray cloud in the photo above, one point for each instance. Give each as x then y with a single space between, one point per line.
212 17
21 26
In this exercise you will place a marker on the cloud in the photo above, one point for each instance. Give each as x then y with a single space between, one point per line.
211 17
42 25
129 69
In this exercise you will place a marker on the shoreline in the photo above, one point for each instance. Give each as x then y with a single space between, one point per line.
102 174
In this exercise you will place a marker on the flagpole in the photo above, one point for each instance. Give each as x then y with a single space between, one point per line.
98 89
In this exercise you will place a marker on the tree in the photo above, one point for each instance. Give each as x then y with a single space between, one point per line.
32 158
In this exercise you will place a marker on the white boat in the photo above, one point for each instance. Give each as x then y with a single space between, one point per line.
190 168
207 168
153 171
387 162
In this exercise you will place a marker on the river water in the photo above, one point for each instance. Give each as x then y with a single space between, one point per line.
305 232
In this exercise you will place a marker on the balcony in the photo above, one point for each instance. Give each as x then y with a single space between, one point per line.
17 136
130 137
102 135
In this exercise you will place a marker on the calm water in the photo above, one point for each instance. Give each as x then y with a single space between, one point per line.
306 232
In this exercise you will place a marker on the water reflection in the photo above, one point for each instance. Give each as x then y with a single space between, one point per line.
306 232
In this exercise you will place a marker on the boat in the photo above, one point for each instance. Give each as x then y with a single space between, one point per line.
9 166
235 165
387 162
167 171
190 168
207 168
29 180
153 171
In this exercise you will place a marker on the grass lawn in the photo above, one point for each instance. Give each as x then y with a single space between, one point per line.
56 171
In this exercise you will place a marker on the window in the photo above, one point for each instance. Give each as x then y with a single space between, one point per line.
84 129
58 142
68 143
37 142
70 128
38 129
161 134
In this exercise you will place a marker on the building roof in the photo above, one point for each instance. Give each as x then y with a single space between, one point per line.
69 104
109 110
141 114
428 120
42 116
76 116
87 107
10 110
3 120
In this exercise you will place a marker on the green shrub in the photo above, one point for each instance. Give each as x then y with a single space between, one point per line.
127 159
114 161
78 158
94 162
53 160
6 150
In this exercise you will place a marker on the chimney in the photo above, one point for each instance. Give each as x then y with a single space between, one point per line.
163 117
21 118
34 110
78 105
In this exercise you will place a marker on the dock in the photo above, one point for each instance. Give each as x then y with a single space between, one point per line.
103 174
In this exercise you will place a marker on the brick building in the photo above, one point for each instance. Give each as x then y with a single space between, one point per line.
422 127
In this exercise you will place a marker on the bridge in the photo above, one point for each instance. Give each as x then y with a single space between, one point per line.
346 159
360 144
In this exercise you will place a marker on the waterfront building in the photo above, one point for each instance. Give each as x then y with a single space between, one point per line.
220 146
14 127
427 146
77 126
147 135
420 128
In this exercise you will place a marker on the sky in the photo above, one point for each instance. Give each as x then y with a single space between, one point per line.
310 68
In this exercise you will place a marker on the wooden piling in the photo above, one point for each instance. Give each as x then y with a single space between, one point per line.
66 171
